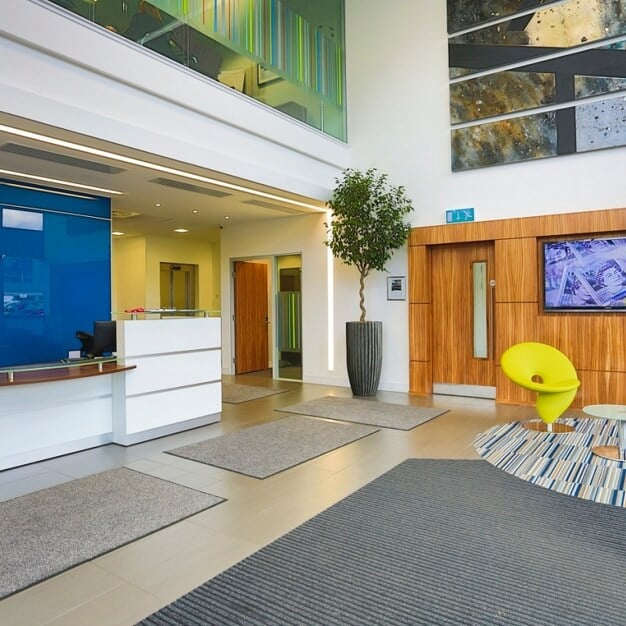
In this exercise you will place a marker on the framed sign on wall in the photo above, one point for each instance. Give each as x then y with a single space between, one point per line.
396 287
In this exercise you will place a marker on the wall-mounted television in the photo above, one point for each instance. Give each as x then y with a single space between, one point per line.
585 274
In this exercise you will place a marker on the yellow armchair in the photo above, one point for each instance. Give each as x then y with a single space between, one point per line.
547 371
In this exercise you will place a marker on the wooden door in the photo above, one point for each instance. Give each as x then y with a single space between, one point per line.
455 360
251 321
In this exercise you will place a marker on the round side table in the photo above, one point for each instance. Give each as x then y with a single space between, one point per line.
615 412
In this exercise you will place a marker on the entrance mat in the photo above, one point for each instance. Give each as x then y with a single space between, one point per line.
429 542
372 412
46 532
234 393
266 449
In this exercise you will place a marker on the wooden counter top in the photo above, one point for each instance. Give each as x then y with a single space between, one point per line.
69 372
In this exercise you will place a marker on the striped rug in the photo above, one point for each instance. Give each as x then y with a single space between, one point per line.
429 542
561 462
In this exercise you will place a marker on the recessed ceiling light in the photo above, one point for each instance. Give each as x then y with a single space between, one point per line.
181 230
118 233
153 166
57 181
158 204
226 217
194 211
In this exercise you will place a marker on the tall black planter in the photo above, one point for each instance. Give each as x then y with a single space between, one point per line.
364 353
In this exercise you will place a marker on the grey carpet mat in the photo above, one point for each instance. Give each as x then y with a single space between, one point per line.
46 532
372 412
429 542
263 450
234 393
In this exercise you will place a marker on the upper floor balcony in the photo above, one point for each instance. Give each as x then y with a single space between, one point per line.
286 54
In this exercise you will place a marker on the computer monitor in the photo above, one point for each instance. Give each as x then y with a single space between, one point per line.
104 338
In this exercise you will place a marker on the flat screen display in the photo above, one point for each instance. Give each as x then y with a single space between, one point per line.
585 274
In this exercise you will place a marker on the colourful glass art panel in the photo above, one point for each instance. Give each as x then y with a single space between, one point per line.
464 14
273 33
497 94
558 27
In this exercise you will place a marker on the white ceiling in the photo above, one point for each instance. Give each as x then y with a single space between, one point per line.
135 212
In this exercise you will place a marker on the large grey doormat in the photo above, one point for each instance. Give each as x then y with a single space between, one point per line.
234 393
383 414
263 450
49 531
430 542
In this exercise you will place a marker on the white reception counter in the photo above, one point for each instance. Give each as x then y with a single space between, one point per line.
168 380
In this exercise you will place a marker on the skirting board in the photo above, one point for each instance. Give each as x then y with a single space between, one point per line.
170 429
470 391
49 452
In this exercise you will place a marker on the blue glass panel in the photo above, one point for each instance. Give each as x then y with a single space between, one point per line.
53 281
55 200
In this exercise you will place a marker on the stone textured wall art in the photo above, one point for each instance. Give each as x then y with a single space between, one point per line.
536 57
464 14
504 141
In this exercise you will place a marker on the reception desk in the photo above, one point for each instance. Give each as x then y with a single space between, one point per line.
176 383
167 379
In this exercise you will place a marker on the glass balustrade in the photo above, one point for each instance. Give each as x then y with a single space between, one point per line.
287 54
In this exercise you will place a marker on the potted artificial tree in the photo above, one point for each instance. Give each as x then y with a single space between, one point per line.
367 225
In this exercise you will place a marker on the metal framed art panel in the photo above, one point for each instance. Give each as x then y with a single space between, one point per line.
581 128
543 71
463 14
559 28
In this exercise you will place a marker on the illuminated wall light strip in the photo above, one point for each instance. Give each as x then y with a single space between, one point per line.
330 289
151 166
56 192
56 181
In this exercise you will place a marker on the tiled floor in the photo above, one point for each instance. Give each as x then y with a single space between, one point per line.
129 583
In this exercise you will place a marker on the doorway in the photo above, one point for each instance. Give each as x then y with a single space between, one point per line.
289 317
267 318
463 297
251 316
178 285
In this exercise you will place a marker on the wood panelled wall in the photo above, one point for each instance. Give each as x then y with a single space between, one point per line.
595 342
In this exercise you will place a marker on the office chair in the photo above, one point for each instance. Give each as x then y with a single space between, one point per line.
86 343
547 371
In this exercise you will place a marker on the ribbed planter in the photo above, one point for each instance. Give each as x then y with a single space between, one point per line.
364 353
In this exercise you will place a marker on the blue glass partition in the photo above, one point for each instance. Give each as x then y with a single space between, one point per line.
55 271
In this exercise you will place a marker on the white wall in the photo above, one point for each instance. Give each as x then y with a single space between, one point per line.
292 235
306 235
398 121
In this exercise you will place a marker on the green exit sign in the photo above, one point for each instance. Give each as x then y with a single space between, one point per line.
454 216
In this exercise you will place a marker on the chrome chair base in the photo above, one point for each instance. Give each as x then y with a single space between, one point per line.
554 427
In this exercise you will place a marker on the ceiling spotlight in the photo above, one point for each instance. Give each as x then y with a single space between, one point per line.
118 233
226 217
181 230
194 211
158 204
